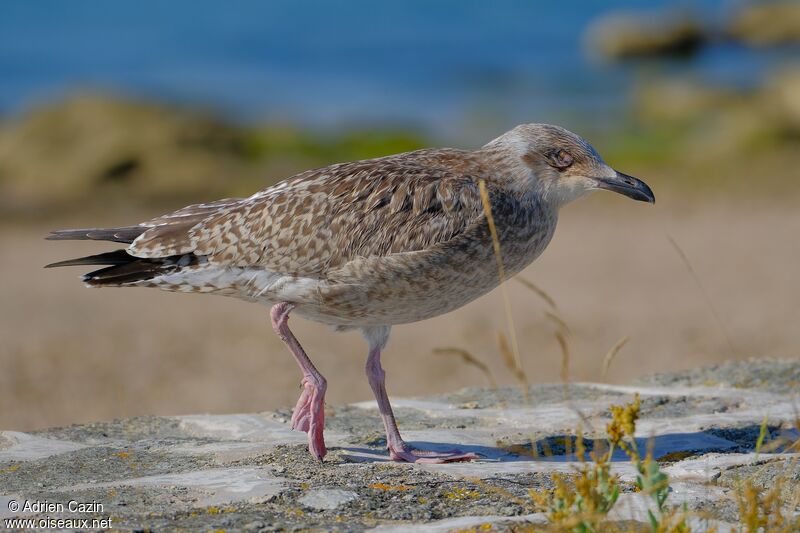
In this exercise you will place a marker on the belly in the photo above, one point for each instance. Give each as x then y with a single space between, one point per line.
410 287
378 291
375 302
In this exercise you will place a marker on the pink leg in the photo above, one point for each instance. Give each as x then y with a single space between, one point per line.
399 450
309 413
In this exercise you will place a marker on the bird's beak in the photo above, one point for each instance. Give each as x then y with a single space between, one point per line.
628 186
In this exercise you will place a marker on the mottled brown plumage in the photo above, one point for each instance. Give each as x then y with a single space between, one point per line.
366 244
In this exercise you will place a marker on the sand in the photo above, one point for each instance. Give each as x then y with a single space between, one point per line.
73 355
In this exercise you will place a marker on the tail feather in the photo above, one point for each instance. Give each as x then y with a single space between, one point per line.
121 268
125 234
117 257
134 271
124 268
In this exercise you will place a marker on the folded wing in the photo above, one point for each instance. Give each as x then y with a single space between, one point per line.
321 219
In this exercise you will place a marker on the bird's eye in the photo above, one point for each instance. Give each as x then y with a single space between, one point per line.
560 159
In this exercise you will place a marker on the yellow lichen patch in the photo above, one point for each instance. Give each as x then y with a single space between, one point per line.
219 510
12 468
460 493
385 486
123 455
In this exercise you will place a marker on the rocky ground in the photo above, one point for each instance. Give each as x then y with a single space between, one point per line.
252 472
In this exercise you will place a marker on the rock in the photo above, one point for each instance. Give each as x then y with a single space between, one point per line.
96 145
781 97
777 376
89 150
677 100
251 472
716 123
327 499
766 23
630 35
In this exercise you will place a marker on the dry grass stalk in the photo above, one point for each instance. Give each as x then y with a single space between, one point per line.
762 432
487 210
558 321
611 354
562 331
704 292
562 342
508 359
561 338
538 291
470 360
765 510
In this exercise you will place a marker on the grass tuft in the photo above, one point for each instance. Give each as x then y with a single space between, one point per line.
508 358
706 296
765 510
538 291
609 357
470 359
501 271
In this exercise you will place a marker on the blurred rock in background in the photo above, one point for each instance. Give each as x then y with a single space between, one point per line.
766 23
90 147
718 121
626 35
622 35
87 150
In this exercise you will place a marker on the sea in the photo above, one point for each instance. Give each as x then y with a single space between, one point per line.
444 66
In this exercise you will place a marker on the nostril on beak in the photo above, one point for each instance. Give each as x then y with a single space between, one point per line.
627 185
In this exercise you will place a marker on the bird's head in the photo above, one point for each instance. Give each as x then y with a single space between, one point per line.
562 166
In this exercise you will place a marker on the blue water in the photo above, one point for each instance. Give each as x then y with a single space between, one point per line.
444 65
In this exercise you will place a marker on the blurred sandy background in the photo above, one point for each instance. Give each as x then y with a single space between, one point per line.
115 116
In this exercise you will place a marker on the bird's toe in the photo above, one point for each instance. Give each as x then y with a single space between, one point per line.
430 457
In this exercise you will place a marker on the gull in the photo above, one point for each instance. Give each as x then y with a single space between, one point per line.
367 245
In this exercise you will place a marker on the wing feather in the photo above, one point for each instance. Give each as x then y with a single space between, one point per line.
322 219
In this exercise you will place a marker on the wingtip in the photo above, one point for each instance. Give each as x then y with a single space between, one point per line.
64 234
59 264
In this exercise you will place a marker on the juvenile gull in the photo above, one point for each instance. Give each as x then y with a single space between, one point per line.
366 245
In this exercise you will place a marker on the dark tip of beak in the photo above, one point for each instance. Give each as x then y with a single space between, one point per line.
628 186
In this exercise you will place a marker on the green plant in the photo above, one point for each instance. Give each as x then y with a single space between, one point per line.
583 505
